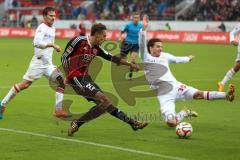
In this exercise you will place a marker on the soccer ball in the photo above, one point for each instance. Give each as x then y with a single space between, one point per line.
184 130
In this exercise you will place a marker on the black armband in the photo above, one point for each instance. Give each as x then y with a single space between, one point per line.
116 59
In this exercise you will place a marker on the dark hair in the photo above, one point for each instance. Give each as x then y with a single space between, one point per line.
97 28
47 9
136 13
151 43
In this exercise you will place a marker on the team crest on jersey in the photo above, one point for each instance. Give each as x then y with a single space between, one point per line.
95 51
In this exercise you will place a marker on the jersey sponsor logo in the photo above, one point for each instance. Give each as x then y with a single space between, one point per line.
87 57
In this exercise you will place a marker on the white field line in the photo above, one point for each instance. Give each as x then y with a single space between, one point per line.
150 154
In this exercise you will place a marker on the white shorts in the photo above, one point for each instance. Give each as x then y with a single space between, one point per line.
35 72
167 101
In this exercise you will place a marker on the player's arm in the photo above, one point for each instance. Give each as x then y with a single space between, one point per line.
55 46
233 34
176 59
119 61
122 32
143 39
39 43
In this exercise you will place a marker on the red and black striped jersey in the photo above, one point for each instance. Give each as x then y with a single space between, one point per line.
78 55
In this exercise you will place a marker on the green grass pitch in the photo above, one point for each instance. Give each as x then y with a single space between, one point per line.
216 131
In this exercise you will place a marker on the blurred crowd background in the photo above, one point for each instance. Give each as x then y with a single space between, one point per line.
27 13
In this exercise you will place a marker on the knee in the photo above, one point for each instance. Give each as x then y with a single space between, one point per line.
237 67
24 85
61 82
104 101
198 95
170 120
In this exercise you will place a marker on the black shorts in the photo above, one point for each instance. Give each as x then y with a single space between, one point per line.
127 47
85 87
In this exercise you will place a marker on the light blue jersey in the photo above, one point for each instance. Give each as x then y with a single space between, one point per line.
132 31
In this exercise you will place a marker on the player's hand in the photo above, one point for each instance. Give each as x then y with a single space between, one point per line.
65 81
134 67
234 43
119 38
145 22
57 48
191 57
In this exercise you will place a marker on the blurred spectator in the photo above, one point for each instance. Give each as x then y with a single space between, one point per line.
28 24
8 4
58 3
82 29
202 10
62 14
73 26
167 27
12 17
156 9
34 2
219 28
34 22
15 3
222 27
213 10
4 21
22 20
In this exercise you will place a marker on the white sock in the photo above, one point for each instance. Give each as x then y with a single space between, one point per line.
181 115
228 76
59 98
211 95
10 95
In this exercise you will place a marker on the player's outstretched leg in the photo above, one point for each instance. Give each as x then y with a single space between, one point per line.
93 113
117 113
73 128
12 93
227 77
214 95
185 113
97 111
2 109
230 93
173 119
104 105
220 87
138 125
189 112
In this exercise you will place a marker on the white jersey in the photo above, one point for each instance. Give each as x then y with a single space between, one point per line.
42 54
233 35
159 75
234 32
157 69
